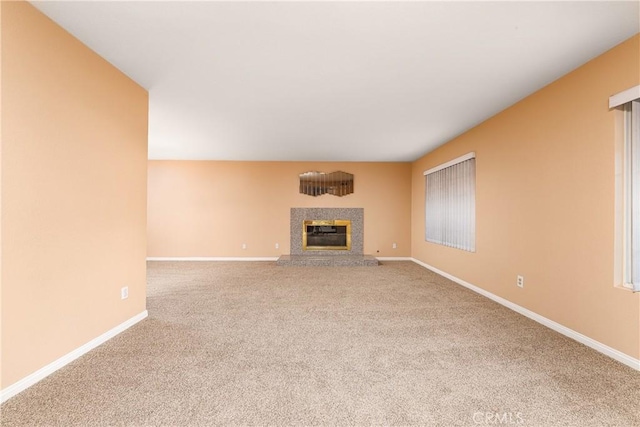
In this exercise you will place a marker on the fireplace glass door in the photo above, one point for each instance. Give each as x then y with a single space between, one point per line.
326 235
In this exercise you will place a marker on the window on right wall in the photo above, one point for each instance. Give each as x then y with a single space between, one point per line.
629 101
632 195
450 203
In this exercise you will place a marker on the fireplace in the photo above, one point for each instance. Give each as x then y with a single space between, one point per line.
324 240
332 231
326 235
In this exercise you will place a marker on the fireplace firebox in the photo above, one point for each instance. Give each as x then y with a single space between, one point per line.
326 235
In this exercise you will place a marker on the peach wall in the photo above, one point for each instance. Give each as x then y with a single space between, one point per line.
0 198
210 208
74 148
545 203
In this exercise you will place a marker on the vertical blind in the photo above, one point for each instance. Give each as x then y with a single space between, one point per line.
632 157
450 203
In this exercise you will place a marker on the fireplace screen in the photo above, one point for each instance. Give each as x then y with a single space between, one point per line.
326 235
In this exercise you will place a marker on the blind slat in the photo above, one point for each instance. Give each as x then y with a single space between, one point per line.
634 205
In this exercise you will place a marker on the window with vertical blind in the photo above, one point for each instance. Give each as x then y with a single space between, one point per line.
629 101
632 195
450 203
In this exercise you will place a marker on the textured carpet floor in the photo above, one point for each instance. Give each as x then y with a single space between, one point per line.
256 344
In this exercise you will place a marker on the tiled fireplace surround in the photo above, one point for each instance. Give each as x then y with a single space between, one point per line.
353 257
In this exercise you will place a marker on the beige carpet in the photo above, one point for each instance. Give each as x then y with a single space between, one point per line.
257 344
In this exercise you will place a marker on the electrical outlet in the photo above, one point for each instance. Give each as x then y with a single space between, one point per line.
244 246
520 282
124 293
395 246
277 245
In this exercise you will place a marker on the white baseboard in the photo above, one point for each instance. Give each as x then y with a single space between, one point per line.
220 258
41 373
390 258
589 342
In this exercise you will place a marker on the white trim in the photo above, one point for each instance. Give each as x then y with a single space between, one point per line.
625 96
628 286
455 161
49 369
220 258
589 342
251 258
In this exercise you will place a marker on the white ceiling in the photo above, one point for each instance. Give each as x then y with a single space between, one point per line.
348 81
